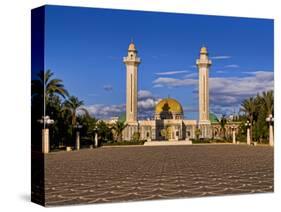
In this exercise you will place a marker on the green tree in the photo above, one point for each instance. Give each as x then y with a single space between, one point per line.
104 132
267 100
136 137
223 122
118 127
249 107
263 110
46 85
89 127
256 109
45 93
197 133
73 104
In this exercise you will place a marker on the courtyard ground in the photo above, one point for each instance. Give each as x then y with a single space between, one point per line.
114 174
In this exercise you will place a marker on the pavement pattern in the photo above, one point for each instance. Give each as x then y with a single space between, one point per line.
115 174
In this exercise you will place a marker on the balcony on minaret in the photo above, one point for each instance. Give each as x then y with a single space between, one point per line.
132 57
129 59
203 60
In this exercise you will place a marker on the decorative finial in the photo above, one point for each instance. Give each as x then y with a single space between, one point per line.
203 50
132 40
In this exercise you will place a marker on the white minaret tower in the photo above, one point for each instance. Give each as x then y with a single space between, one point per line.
203 64
132 62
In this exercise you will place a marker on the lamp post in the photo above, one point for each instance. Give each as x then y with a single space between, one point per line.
248 125
233 128
45 133
270 121
96 136
77 127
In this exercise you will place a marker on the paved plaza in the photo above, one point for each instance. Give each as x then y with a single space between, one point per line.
114 174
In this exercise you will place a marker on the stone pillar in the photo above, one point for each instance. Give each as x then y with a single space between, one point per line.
248 136
45 141
271 135
96 140
233 136
77 140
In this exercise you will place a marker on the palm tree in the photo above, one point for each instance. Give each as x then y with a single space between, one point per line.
249 107
197 133
118 127
223 122
268 102
104 131
44 85
73 104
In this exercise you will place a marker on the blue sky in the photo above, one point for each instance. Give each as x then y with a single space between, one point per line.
85 47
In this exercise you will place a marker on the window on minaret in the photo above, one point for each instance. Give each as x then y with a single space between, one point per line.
204 94
131 92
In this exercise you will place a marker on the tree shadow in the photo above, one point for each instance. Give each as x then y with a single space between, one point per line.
166 113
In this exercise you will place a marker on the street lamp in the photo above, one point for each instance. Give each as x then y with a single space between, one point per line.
77 127
270 121
248 125
96 136
233 128
45 133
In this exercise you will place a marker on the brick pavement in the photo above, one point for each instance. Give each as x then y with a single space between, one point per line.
163 172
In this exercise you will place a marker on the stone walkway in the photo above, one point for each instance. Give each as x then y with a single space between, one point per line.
160 172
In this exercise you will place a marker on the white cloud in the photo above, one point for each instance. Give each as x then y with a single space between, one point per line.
232 66
171 72
220 57
173 82
146 103
191 75
144 94
220 72
105 111
230 91
226 93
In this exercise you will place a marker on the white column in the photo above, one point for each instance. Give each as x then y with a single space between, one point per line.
248 136
77 140
45 141
96 140
233 137
271 135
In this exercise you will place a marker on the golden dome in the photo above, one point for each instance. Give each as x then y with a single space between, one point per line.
203 50
168 105
132 47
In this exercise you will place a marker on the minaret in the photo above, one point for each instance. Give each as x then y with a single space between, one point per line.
203 64
132 62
